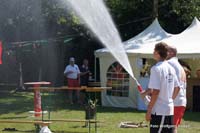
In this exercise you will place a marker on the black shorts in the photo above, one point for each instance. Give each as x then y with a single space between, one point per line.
161 124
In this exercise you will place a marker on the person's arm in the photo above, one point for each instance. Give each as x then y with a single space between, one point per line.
146 92
154 96
78 73
67 71
176 88
154 85
79 79
175 93
84 73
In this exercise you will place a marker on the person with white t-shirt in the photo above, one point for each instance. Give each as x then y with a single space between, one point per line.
180 101
162 86
72 73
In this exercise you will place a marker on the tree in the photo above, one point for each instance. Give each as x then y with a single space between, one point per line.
176 15
132 17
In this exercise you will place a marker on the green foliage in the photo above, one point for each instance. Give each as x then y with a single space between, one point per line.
59 13
127 14
176 15
186 9
130 16
75 19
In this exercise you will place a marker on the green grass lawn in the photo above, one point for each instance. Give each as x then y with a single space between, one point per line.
17 105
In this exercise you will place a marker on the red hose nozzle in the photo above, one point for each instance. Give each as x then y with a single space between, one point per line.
140 88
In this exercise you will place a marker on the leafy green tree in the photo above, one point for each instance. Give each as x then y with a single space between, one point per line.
132 17
176 15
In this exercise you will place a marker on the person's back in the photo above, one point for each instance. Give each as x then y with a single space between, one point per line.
163 84
164 81
180 99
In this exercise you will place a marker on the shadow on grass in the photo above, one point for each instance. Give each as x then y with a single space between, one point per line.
68 131
192 116
20 131
23 102
60 103
15 103
31 131
55 101
15 117
101 109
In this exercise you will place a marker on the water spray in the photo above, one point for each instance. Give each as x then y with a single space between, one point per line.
97 18
140 89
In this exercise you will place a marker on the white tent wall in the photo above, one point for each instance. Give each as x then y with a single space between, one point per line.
114 101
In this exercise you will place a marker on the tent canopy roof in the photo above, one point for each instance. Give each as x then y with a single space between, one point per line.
152 33
187 42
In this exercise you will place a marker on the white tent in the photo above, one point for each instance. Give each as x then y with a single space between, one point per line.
141 46
151 34
186 42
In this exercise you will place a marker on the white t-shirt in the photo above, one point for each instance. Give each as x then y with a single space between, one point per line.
74 69
180 99
163 78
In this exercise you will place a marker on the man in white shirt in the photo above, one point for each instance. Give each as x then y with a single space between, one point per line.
72 73
180 100
162 86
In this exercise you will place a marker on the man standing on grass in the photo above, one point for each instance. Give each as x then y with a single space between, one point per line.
162 85
72 73
180 100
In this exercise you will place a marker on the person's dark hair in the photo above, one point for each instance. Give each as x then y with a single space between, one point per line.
183 63
162 49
